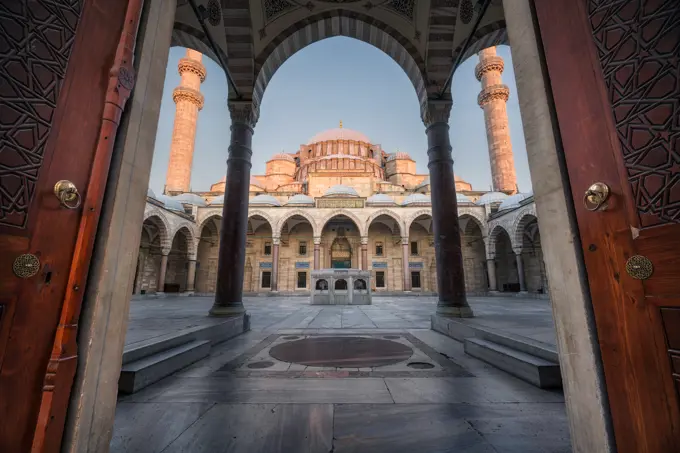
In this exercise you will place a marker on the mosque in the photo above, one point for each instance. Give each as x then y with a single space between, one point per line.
341 201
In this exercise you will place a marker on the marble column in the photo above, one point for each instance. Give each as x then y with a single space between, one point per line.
160 286
232 251
191 277
448 252
275 264
491 270
404 259
364 254
520 272
317 252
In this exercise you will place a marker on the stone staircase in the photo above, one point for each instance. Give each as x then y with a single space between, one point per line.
149 361
530 360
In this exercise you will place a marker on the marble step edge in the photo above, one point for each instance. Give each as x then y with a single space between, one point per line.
216 332
534 370
460 329
141 373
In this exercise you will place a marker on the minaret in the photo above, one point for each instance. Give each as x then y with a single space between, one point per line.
189 101
493 99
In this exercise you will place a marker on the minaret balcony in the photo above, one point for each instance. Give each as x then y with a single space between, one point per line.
491 93
494 63
193 66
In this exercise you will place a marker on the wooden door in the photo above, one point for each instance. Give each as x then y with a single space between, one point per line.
614 71
65 74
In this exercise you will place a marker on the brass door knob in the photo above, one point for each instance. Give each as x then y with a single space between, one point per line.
595 196
68 194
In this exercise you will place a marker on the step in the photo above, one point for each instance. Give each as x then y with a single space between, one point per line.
461 329
536 370
141 373
216 333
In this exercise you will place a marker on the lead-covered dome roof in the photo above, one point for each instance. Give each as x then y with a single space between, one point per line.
416 199
491 197
513 201
283 156
399 155
380 199
339 133
264 200
300 199
341 190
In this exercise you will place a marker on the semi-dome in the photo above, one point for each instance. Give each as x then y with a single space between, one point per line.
380 199
150 193
341 190
426 182
513 201
190 198
339 133
283 156
399 155
170 203
264 200
217 200
300 199
460 198
491 197
416 199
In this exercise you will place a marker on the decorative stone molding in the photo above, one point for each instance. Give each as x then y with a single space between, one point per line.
243 112
317 240
189 95
404 8
404 240
489 64
438 111
493 93
214 13
520 220
276 240
192 66
364 240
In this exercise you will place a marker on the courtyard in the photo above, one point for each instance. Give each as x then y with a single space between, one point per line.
414 391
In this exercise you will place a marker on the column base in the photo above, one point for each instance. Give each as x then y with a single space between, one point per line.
455 312
220 311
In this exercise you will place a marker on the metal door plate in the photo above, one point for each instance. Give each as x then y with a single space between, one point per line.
639 267
26 266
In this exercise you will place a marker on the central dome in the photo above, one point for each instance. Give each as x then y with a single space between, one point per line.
339 133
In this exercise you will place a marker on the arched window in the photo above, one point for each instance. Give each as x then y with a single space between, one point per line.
321 285
341 284
359 284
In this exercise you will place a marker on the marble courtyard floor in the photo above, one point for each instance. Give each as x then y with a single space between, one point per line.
242 399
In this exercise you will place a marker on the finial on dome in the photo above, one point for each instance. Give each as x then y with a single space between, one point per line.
340 124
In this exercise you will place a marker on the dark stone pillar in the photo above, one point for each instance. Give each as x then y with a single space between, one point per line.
491 270
191 277
364 254
448 252
232 252
275 264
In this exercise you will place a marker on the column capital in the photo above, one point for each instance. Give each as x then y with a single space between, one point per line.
438 111
517 250
276 240
244 112
317 240
404 240
364 240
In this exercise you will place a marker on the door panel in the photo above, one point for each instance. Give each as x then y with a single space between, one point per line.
615 79
55 61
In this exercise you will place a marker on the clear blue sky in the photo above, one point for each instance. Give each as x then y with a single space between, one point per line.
332 80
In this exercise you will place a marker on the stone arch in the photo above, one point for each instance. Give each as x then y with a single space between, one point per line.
493 235
359 224
190 237
414 216
477 218
388 213
272 222
490 35
158 219
523 218
205 223
341 22
301 213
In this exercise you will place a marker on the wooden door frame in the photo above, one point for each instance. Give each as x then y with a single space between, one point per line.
637 394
